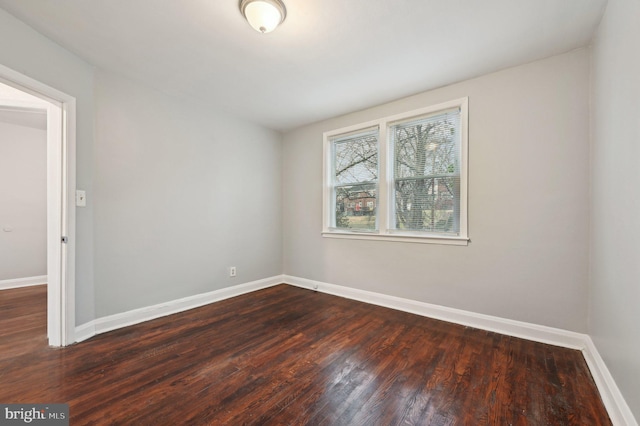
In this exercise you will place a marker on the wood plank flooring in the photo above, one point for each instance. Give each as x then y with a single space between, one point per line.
290 356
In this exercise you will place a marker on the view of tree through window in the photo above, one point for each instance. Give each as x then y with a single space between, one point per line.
355 178
399 178
427 174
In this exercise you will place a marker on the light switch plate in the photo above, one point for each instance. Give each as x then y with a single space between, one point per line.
81 198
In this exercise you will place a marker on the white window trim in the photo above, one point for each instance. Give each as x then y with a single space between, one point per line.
385 180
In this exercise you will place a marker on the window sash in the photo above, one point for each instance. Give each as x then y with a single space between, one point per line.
338 222
440 208
437 212
355 214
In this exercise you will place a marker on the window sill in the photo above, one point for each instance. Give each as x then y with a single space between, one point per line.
453 241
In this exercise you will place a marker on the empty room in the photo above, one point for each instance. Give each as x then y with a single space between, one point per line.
305 212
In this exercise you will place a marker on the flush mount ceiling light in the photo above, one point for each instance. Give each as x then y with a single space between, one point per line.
263 15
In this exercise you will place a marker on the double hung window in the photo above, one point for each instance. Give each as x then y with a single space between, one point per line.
400 178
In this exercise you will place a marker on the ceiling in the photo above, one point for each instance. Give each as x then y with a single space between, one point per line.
328 58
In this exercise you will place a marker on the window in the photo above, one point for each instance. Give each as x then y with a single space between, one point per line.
400 178
354 178
426 173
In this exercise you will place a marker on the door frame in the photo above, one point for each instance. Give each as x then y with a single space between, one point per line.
61 182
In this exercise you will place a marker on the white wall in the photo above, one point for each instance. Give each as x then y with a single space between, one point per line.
528 200
181 193
614 314
28 52
23 196
176 186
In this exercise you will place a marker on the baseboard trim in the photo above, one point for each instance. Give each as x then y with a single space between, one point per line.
538 333
136 316
23 282
85 331
616 406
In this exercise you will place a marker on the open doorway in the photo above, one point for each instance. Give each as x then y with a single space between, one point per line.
23 216
22 95
23 189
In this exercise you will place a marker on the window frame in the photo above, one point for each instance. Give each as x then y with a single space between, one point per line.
384 203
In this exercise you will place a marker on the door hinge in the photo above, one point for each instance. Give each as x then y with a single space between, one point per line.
64 239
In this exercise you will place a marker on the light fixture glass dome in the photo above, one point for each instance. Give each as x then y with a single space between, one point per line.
263 15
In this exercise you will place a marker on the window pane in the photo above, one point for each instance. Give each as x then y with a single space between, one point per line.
427 147
427 174
428 204
356 158
356 207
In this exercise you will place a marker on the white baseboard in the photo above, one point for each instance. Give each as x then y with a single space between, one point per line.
538 333
616 406
136 316
85 331
23 282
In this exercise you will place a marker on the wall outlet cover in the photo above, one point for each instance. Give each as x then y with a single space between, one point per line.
81 198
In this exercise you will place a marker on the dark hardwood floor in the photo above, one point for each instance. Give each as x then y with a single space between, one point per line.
290 356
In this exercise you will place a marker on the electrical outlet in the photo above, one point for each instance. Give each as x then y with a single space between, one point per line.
232 271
